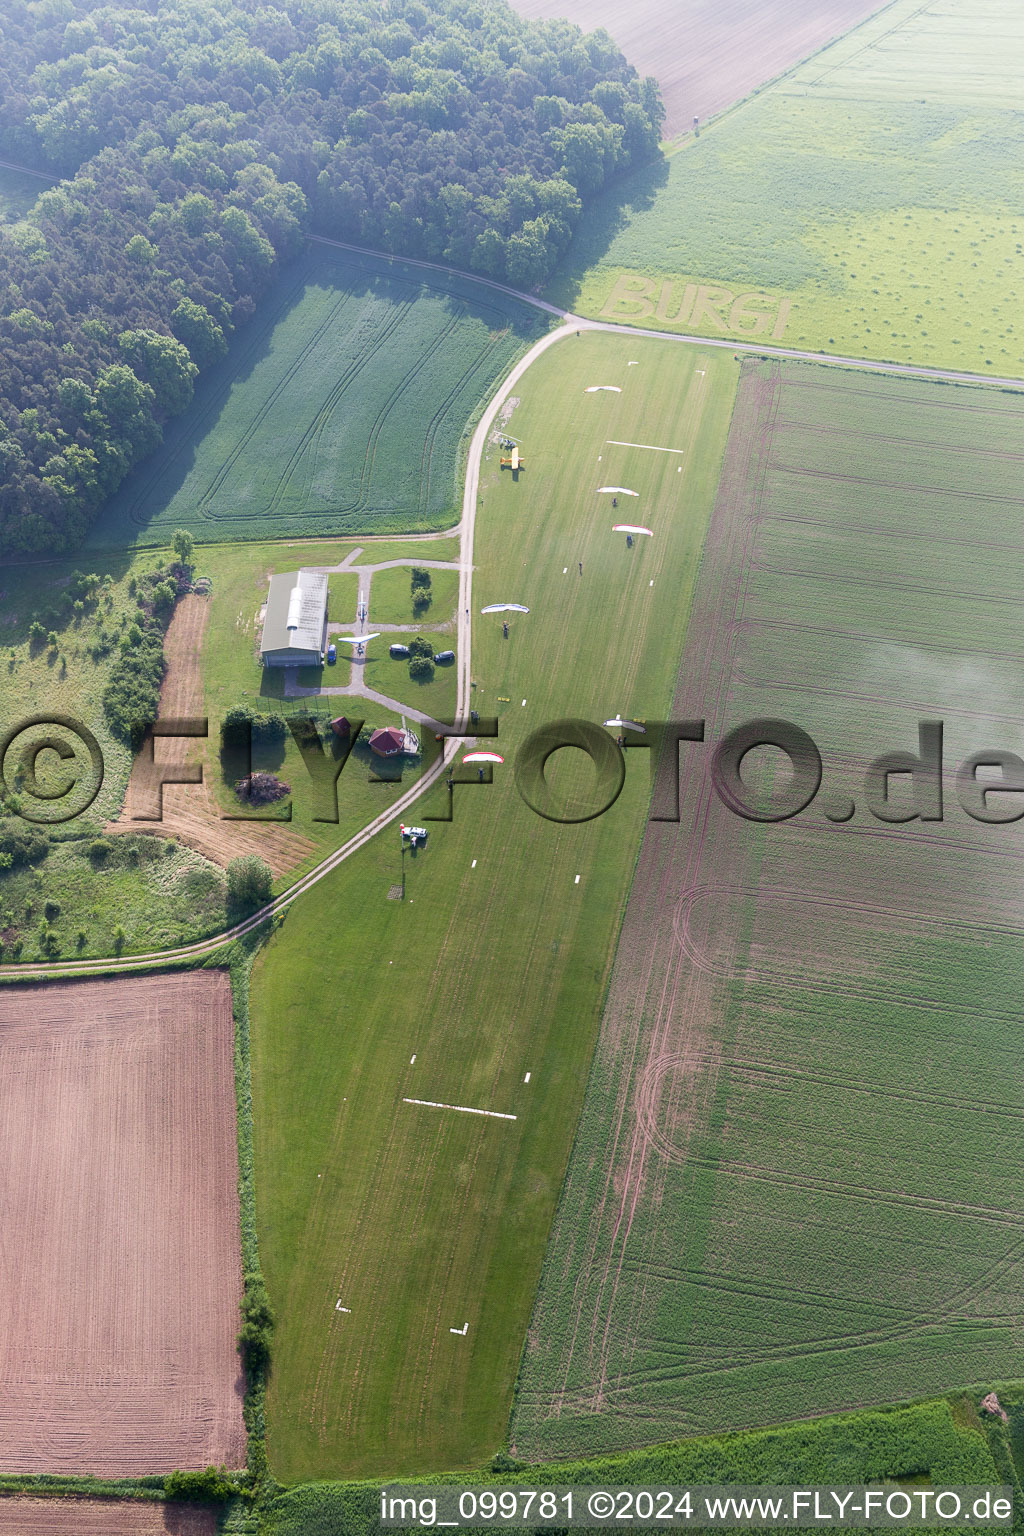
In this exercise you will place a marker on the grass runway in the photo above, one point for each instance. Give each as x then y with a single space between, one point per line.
422 1220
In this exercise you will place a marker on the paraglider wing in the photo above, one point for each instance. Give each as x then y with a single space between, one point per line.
482 757
592 389
616 490
504 608
631 528
627 725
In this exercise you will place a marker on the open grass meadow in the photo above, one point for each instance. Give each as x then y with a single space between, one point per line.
339 410
867 205
796 1184
420 1220
79 894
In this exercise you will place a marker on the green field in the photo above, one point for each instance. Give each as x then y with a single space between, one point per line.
421 1220
866 191
339 411
932 1444
788 1193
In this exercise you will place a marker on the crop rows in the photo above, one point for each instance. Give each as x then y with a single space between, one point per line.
339 411
796 1184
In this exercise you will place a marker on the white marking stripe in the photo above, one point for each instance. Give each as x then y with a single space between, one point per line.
463 1109
652 446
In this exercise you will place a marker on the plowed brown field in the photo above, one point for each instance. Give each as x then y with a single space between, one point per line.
190 811
708 54
121 1274
102 1517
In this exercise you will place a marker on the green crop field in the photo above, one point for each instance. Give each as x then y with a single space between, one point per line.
868 205
934 1444
422 1220
339 411
796 1186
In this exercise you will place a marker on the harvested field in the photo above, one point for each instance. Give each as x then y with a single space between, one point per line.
102 1517
190 811
708 54
796 1187
119 1308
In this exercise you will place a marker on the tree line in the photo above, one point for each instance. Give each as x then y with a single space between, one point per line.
200 144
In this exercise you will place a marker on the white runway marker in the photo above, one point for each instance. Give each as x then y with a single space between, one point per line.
463 1330
564 569
526 1079
679 470
462 1109
652 583
577 881
473 865
524 701
652 447
412 1058
633 364
339 1308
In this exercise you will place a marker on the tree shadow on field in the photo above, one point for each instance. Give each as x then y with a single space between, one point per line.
603 221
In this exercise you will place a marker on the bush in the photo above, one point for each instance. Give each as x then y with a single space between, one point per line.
131 699
421 647
250 882
99 849
421 669
25 844
209 1487
257 1326
421 593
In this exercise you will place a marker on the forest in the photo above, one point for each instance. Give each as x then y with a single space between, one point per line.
199 145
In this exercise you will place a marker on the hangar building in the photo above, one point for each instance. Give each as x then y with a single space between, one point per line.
295 624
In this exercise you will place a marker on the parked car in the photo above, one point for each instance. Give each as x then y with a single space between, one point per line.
399 652
444 658
332 655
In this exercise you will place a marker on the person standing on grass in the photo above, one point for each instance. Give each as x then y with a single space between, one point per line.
581 567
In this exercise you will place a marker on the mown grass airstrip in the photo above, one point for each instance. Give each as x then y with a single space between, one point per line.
876 191
421 1220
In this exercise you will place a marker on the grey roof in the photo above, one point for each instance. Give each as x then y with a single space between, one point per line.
296 610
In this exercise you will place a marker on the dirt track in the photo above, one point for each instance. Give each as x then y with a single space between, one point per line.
121 1273
190 811
102 1517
